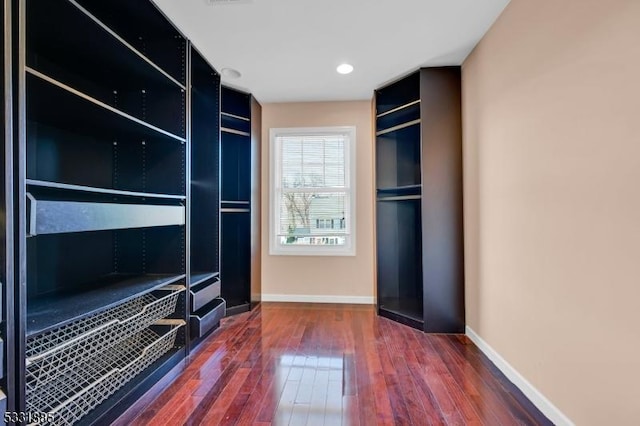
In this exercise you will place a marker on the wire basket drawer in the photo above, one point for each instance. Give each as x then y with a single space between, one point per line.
73 395
53 353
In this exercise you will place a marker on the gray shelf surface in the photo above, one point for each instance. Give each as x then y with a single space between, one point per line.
52 311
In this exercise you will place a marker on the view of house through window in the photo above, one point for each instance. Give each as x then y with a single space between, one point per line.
312 198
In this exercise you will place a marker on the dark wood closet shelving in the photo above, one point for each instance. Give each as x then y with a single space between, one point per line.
206 307
132 84
145 28
399 191
419 201
239 144
63 188
201 277
406 115
48 312
7 267
79 110
104 200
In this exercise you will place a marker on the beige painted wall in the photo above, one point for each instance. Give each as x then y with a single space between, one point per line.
323 275
552 198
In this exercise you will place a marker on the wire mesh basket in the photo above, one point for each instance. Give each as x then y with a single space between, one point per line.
73 395
51 354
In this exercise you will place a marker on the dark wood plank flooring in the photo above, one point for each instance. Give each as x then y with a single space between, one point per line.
324 364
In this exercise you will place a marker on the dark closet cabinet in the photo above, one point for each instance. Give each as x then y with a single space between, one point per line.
419 201
206 306
7 376
114 172
240 118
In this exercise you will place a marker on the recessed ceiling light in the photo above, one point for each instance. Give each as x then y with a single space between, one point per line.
344 68
230 73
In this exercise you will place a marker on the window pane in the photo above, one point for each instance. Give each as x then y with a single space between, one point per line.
291 157
334 175
312 161
309 218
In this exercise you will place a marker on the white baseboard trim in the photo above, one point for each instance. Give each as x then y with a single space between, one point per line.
535 396
305 298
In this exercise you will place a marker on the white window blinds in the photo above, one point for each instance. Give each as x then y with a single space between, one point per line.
312 193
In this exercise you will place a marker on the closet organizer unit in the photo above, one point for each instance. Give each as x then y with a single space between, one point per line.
103 179
207 308
7 375
240 173
419 201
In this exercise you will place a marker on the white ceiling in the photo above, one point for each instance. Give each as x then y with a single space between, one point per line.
288 50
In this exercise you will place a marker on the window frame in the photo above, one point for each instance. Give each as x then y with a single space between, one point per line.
275 248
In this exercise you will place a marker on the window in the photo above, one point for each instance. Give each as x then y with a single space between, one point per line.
312 203
330 223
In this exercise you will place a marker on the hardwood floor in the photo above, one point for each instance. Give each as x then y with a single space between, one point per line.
323 364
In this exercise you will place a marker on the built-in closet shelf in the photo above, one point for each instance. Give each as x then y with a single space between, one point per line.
398 158
235 206
399 191
202 277
237 117
235 132
105 134
145 28
235 103
420 268
399 198
116 64
235 210
236 203
67 189
398 127
236 173
77 110
397 117
410 317
205 175
51 311
397 95
240 118
233 123
46 216
406 106
409 307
